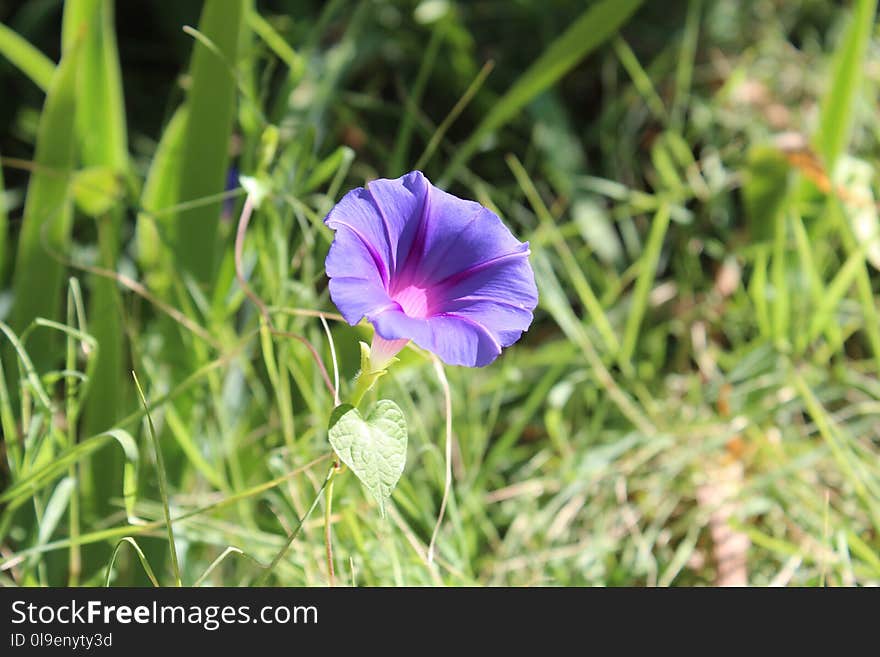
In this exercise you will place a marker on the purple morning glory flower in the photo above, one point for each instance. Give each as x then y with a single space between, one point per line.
423 265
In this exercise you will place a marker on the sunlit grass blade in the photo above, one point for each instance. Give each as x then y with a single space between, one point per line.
115 533
211 103
815 284
647 274
26 364
163 483
38 278
338 160
845 82
11 434
267 572
103 142
593 27
553 300
72 409
231 550
261 27
160 192
58 503
835 291
864 289
148 570
178 429
572 268
779 278
454 113
28 59
865 489
25 487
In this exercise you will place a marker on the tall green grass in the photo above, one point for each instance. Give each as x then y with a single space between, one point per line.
103 148
703 362
47 220
210 109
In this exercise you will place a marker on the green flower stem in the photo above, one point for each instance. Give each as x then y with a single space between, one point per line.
366 377
362 385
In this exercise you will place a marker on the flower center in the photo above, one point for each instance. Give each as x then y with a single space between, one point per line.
413 300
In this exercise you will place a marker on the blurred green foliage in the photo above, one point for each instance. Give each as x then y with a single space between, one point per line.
697 401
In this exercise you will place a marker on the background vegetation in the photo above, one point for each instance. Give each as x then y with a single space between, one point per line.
696 403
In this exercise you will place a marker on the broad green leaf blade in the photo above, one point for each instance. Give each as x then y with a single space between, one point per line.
38 279
160 192
103 148
836 116
594 26
100 120
26 57
373 447
211 101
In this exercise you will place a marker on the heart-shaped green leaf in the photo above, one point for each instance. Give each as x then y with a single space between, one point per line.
373 447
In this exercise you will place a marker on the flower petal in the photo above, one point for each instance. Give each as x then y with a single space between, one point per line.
507 279
456 340
455 235
504 320
357 298
356 282
399 204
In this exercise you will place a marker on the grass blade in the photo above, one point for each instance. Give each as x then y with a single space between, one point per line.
228 551
211 101
163 484
25 487
684 72
103 142
128 540
58 502
38 279
648 271
594 26
160 193
573 269
261 27
26 58
399 158
836 118
640 78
